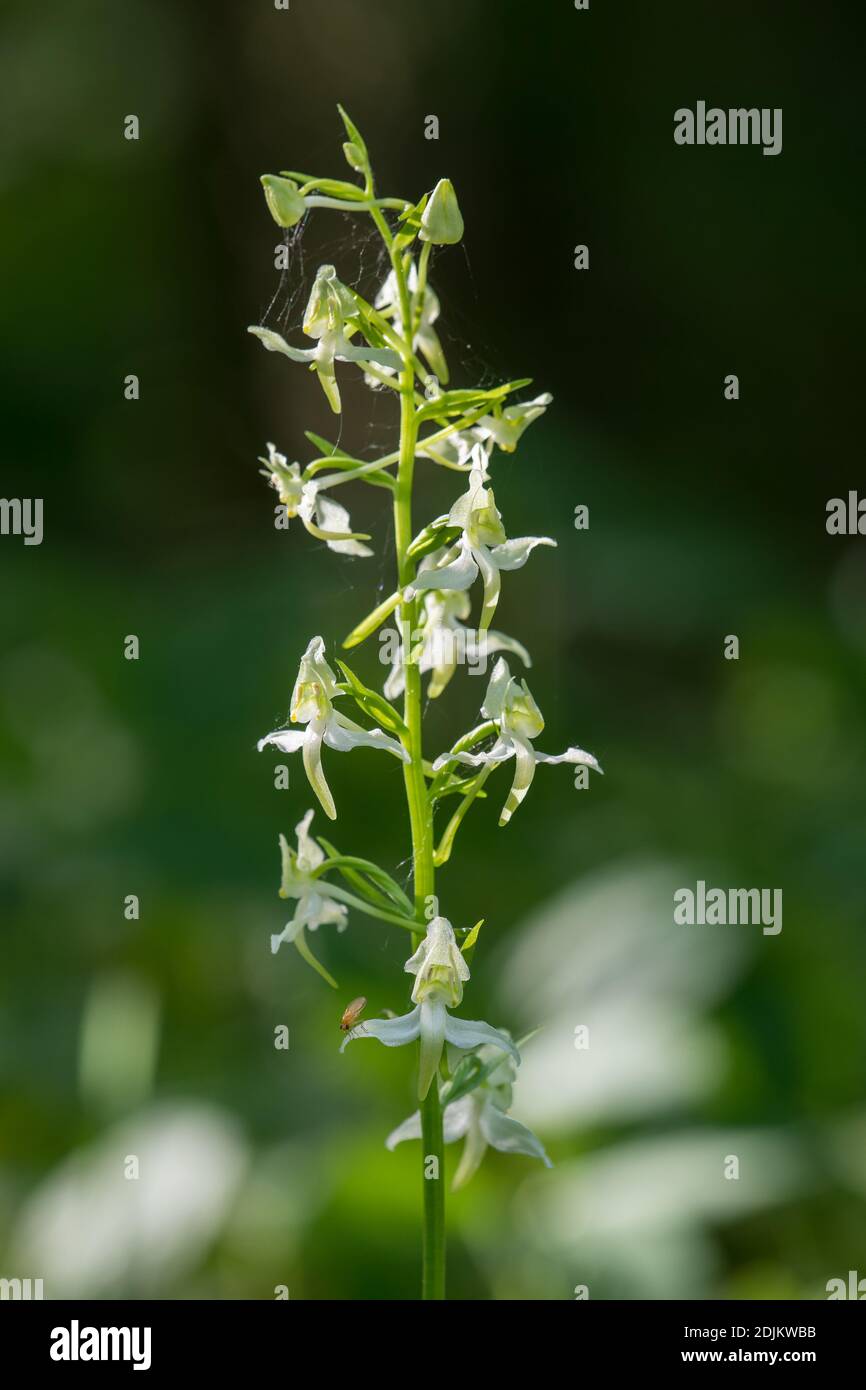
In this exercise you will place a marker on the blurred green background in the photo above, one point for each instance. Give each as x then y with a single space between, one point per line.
154 1037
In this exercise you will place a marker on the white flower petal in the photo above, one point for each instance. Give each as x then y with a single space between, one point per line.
524 771
310 852
409 1129
497 689
509 1135
491 641
489 567
513 555
459 575
342 733
502 750
275 342
455 1122
393 1032
312 751
577 756
473 1152
288 740
466 1033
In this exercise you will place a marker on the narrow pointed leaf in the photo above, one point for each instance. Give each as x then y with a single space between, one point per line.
304 950
373 703
368 625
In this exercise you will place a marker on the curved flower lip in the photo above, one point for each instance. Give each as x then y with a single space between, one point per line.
509 704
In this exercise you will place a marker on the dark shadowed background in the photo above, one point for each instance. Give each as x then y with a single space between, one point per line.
154 1037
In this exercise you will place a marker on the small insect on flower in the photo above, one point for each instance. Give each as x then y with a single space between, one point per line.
352 1013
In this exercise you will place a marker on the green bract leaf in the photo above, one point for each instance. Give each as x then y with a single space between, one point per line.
472 937
374 704
437 534
326 446
360 158
358 871
467 1077
334 188
411 220
373 620
461 402
303 946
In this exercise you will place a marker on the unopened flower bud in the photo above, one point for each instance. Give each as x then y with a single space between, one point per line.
442 222
354 157
286 205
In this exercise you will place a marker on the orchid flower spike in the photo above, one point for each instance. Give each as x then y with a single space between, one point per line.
481 1119
315 907
442 642
440 971
324 518
315 689
331 317
482 547
509 704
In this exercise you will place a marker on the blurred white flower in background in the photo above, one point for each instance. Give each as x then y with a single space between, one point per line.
605 956
634 1217
641 1213
91 1232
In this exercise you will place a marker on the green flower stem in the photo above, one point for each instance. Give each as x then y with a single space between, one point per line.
420 811
443 852
332 890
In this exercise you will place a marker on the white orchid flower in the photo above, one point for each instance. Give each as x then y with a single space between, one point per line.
426 338
482 548
328 316
442 642
455 451
481 1119
314 906
509 704
324 518
505 427
440 971
314 691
